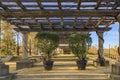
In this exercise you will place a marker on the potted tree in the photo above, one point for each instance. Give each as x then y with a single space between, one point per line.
79 43
47 42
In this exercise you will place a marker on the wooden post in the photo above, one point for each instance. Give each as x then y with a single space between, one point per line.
100 50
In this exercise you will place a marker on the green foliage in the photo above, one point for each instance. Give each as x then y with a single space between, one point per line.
47 42
79 43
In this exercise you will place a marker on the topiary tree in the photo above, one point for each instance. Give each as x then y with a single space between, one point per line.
79 43
47 42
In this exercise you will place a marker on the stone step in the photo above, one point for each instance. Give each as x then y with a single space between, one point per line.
63 63
62 76
62 79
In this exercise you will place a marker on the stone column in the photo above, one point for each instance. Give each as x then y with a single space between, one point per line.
25 62
25 45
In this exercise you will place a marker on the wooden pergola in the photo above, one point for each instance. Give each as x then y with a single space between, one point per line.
60 15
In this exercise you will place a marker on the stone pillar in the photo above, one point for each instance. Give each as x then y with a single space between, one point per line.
25 45
115 69
25 62
100 61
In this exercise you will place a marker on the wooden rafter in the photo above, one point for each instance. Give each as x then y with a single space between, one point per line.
39 4
38 23
68 30
50 23
109 23
63 13
25 23
75 22
98 3
59 4
62 22
4 7
20 4
87 21
79 3
97 24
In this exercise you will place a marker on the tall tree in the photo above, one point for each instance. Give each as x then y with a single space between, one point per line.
8 42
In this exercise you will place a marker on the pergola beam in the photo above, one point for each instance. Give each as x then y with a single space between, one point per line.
4 7
88 21
98 3
98 23
59 4
50 23
75 21
63 13
20 4
109 23
66 30
79 3
39 4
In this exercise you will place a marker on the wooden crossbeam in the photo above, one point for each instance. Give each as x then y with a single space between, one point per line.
38 23
4 7
109 23
59 4
98 3
20 5
24 23
62 13
79 3
39 4
66 30
87 21
75 22
97 24
50 23
62 22
63 0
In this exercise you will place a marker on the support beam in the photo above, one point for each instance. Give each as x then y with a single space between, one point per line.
66 30
109 23
59 4
87 21
98 23
50 23
100 50
20 4
63 13
4 7
75 22
39 4
98 3
25 45
79 3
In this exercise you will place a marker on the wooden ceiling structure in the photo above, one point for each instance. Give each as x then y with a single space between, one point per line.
60 15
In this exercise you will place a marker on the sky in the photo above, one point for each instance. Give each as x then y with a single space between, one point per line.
111 38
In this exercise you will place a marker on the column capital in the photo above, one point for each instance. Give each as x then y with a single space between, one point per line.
118 18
